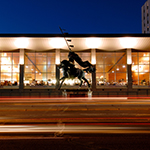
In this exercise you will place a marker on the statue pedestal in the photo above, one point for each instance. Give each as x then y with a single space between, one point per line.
76 93
89 93
64 93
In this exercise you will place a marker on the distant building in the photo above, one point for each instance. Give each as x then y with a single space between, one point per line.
146 17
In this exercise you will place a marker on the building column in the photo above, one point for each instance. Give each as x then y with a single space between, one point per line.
57 62
21 77
129 68
93 62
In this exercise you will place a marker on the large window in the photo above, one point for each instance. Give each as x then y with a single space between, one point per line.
9 69
111 69
85 56
140 68
40 69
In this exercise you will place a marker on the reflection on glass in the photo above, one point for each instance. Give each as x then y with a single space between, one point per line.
140 71
9 67
37 68
113 69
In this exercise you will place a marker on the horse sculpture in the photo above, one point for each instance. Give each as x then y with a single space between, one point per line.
69 71
85 64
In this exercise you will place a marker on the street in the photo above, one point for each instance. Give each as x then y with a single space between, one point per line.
117 120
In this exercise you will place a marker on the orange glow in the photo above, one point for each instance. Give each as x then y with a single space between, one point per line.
6 68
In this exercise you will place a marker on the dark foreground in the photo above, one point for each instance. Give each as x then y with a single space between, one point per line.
75 124
78 142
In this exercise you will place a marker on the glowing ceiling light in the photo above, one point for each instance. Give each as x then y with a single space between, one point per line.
22 42
128 42
93 42
57 42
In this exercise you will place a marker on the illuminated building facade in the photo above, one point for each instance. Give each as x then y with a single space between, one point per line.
146 17
29 64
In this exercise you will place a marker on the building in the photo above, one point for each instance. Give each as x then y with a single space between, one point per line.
146 17
29 64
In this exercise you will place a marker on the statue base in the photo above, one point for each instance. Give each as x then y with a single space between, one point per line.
89 93
77 93
64 93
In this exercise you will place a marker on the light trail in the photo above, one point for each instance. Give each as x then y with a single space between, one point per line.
64 128
79 99
113 120
64 98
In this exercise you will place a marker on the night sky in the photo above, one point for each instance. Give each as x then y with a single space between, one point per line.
76 16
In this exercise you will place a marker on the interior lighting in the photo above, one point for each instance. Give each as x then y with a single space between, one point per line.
146 58
93 42
134 68
21 42
53 81
26 82
141 69
128 42
57 42
123 66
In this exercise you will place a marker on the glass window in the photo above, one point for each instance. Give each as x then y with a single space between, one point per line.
38 67
15 68
134 60
135 68
140 71
109 60
41 58
113 70
50 68
100 68
9 68
143 60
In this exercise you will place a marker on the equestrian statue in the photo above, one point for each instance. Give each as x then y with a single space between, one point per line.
71 72
69 69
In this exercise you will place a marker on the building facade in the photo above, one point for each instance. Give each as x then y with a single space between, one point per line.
146 17
29 64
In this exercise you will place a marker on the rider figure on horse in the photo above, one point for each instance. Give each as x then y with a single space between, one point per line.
85 64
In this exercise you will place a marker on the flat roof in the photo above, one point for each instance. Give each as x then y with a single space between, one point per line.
81 42
74 35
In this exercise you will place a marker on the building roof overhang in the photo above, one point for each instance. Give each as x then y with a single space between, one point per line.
81 42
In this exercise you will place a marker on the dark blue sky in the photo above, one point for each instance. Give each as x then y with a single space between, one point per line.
77 16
